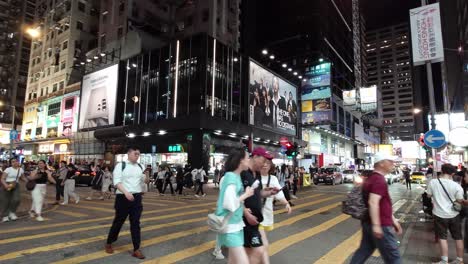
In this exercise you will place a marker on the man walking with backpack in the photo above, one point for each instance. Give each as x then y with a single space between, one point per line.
378 229
128 179
447 195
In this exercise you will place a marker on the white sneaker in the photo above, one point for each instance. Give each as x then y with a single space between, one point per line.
32 214
5 219
204 195
77 201
218 254
293 196
88 199
39 218
456 261
64 203
196 195
101 198
13 216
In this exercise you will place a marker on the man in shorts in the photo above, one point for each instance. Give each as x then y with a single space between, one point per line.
445 217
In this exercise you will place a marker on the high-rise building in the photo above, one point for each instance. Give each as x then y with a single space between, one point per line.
15 16
67 29
462 24
389 67
138 26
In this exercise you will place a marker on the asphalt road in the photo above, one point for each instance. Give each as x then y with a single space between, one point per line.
174 231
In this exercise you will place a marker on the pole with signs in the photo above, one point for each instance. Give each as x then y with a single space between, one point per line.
427 48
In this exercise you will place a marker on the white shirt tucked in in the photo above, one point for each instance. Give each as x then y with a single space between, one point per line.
442 204
268 207
132 177
13 174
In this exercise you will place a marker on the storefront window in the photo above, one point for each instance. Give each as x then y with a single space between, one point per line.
324 144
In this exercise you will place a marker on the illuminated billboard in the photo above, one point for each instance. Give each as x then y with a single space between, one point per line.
349 98
446 122
316 94
368 96
273 101
98 98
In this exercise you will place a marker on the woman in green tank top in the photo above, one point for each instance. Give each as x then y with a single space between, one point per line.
230 202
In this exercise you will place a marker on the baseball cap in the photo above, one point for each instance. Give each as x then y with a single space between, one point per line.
259 151
381 156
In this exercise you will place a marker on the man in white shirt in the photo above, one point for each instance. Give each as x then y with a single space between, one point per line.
10 196
445 217
199 179
128 179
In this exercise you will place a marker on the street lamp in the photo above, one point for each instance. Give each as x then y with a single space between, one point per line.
13 109
33 32
416 110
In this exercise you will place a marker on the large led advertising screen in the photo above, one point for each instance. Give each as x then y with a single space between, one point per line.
316 94
98 98
273 101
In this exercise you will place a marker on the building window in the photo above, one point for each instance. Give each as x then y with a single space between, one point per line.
205 15
63 65
119 32
48 71
56 68
81 6
121 8
50 53
39 132
103 41
54 87
62 85
79 25
65 45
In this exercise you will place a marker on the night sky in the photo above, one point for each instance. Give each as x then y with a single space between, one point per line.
382 13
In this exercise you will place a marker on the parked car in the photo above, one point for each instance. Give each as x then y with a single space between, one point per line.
349 175
329 175
84 175
418 177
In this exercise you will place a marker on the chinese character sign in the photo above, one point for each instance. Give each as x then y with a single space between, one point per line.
426 34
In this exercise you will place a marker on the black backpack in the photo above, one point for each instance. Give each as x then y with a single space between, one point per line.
125 164
355 204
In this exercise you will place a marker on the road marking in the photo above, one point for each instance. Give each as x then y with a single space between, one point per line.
183 254
284 243
309 203
100 209
341 252
71 214
163 210
22 253
129 247
76 230
190 252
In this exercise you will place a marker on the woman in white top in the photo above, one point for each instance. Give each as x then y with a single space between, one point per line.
271 181
41 175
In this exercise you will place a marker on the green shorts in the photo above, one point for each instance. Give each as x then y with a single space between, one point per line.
235 239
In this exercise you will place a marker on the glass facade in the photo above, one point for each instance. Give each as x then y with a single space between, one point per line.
194 75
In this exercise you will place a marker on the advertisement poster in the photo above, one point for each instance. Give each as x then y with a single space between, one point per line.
273 101
311 93
69 113
426 34
368 98
307 107
321 104
349 98
316 117
98 98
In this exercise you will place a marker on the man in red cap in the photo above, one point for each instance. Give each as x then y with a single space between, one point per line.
253 205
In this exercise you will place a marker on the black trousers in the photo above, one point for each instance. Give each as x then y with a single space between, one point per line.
180 187
124 208
166 183
294 186
58 189
159 185
199 184
408 184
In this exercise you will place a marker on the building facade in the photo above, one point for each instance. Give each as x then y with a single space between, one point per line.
389 67
14 57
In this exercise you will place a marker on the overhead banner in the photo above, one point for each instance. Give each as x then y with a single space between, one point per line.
98 98
273 101
426 34
349 98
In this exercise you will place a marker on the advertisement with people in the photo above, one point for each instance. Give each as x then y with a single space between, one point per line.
273 101
98 98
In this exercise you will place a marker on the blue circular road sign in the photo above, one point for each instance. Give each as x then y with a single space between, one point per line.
434 138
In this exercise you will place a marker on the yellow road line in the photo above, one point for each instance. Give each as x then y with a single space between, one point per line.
76 230
190 252
309 203
164 210
341 252
100 209
22 253
128 247
68 213
284 243
183 254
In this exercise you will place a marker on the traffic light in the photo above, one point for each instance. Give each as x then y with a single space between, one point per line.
292 150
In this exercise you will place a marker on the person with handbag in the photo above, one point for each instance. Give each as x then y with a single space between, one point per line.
10 193
69 185
39 177
447 196
230 204
96 183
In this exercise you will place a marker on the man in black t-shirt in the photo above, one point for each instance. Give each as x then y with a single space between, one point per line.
253 205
